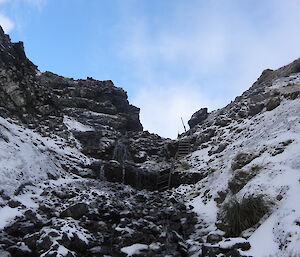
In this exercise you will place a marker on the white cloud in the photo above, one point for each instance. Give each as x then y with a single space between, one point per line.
226 47
162 108
6 23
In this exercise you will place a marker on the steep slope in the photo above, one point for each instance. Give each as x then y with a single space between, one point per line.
43 100
60 141
94 116
65 146
248 150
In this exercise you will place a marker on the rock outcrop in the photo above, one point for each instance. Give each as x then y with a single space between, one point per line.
247 153
78 176
198 117
43 100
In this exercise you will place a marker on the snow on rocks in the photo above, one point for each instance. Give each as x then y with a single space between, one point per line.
53 204
28 158
134 249
74 125
7 214
114 217
261 158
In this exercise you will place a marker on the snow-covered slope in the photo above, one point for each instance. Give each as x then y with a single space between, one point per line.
46 210
28 158
61 139
265 147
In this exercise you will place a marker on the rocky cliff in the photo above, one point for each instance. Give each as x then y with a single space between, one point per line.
78 176
62 141
49 103
248 155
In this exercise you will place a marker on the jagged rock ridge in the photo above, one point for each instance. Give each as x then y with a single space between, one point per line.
62 139
59 137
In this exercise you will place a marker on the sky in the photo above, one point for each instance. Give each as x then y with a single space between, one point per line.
173 57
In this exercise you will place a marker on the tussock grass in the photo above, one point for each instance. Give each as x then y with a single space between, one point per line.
239 216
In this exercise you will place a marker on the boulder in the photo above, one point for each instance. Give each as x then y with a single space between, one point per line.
14 204
273 103
75 211
255 108
242 159
20 250
214 238
198 117
239 180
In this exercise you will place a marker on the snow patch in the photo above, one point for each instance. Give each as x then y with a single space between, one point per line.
134 249
7 214
73 124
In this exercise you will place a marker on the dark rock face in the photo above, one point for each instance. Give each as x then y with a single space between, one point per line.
130 174
54 104
16 76
198 117
94 103
151 144
113 171
96 113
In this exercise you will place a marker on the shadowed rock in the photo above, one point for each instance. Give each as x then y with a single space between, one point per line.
198 117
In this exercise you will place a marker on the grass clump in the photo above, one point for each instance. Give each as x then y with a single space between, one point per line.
239 216
256 168
185 165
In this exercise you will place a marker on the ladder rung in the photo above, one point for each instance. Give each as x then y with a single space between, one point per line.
162 185
164 173
163 188
165 177
163 181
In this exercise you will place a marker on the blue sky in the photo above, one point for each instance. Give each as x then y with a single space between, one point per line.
171 56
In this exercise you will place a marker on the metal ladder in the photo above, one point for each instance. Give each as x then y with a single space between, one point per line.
164 179
164 175
184 147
